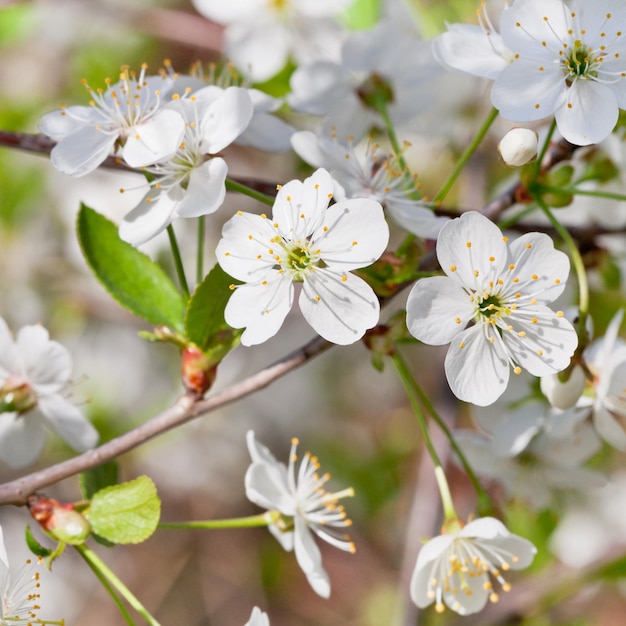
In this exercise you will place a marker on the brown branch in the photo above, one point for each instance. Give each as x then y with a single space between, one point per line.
184 410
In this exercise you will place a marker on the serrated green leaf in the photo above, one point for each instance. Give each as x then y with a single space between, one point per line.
34 546
126 513
98 478
132 278
204 321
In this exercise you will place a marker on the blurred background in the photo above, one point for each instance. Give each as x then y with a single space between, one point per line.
353 417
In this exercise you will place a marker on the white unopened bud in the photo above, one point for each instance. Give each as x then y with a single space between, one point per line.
518 147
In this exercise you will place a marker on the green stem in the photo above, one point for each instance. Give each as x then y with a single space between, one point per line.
238 522
464 158
178 261
442 483
579 268
381 107
96 563
200 251
105 583
484 501
609 195
544 149
231 185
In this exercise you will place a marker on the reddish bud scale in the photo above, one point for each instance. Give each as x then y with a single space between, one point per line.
59 519
198 374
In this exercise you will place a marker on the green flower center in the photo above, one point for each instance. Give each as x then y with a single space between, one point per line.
492 306
580 62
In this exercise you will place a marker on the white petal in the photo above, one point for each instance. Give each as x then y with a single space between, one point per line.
354 234
82 152
527 23
151 216
539 268
246 251
437 310
231 11
4 563
157 139
68 422
48 364
10 358
258 618
266 485
338 310
609 428
422 576
315 86
470 244
206 190
476 369
544 90
543 347
300 207
309 558
258 452
67 121
225 119
267 132
469 49
590 114
22 438
564 395
416 219
260 308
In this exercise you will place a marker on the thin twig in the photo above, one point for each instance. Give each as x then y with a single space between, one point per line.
187 408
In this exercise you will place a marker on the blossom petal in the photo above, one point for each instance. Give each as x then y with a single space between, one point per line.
157 139
423 574
340 308
47 364
354 234
68 422
82 151
267 132
22 439
206 190
544 90
477 370
310 559
225 119
67 121
590 114
266 485
246 251
260 308
543 346
300 207
471 249
151 216
437 310
10 359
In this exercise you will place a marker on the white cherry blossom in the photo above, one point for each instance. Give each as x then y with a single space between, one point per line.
570 62
458 569
300 496
192 182
34 371
126 119
261 36
491 306
305 241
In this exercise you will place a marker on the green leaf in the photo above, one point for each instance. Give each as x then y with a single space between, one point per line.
615 570
132 278
204 321
98 478
34 546
363 14
126 513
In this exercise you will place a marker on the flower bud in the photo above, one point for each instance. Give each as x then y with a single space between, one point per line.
17 396
198 374
60 520
518 147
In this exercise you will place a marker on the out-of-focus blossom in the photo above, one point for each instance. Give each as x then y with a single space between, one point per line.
533 453
502 288
34 371
307 242
258 618
457 569
126 119
261 36
302 499
371 70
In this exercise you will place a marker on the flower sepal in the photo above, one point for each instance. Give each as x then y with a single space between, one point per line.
60 520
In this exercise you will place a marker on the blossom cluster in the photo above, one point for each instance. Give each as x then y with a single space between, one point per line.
346 238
